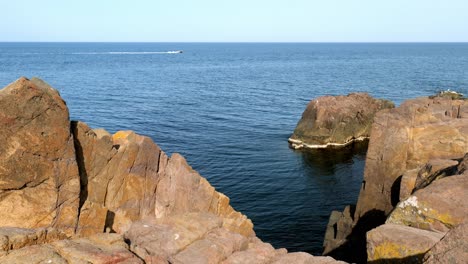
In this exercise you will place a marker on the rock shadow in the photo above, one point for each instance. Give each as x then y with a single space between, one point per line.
354 249
81 165
325 160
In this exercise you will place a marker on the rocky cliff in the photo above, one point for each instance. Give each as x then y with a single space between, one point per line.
71 194
415 181
336 121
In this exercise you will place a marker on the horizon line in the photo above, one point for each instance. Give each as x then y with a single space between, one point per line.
247 42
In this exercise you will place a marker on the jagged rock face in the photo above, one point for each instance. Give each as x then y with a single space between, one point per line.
392 243
39 182
132 178
119 174
62 184
411 147
406 138
453 248
336 120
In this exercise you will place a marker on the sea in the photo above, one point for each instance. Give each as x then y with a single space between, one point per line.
230 108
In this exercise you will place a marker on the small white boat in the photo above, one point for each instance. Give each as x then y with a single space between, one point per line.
175 51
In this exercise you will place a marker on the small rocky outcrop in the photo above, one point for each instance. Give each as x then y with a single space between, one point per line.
71 194
414 176
336 121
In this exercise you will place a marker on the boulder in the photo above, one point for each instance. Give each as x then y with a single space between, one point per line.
335 121
453 248
39 181
399 244
438 207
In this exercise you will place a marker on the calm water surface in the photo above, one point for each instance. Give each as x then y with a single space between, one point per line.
229 109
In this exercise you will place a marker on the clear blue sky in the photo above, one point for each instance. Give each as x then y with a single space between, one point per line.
234 20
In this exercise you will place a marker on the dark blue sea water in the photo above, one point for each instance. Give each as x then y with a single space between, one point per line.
230 108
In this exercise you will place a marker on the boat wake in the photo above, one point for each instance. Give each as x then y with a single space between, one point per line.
128 52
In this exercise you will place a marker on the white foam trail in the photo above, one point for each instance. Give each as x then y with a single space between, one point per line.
126 52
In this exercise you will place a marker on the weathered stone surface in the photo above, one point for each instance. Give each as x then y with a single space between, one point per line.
336 120
438 207
419 178
304 258
435 169
453 248
165 237
339 226
37 254
398 242
257 252
98 249
92 219
216 246
462 167
12 238
406 138
182 190
408 182
119 173
39 182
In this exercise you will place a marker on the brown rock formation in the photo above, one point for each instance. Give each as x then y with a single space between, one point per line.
62 184
37 159
411 147
336 120
142 181
406 138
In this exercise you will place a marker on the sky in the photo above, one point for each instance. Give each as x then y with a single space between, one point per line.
234 20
